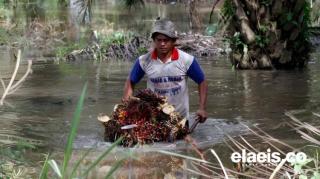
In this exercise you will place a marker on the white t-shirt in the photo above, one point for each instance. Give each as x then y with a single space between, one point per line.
169 79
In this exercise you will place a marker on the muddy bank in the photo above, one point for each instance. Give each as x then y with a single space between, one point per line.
129 49
195 44
47 41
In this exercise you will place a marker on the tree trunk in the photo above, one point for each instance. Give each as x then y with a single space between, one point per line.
194 15
269 34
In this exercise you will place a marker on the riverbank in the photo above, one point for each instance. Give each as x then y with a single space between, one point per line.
134 46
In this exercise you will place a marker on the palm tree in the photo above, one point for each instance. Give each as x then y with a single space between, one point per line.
267 34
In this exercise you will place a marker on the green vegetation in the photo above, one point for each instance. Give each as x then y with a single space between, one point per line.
116 38
262 41
307 21
4 36
13 160
275 32
142 50
228 10
304 170
63 171
62 51
235 41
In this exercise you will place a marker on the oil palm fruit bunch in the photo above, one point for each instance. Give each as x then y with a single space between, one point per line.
143 119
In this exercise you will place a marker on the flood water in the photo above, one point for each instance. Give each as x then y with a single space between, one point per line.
43 107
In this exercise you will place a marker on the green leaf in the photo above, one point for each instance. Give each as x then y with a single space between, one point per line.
297 168
114 168
74 128
79 162
45 169
303 177
55 167
102 156
289 16
303 163
316 175
22 143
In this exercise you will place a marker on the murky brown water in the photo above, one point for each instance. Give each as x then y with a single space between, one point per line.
43 107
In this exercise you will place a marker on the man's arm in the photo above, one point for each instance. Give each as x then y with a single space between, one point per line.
134 77
196 74
128 90
202 88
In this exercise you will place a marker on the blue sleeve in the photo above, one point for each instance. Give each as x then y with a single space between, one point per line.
195 72
136 73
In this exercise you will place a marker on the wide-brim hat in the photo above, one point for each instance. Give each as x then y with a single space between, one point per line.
166 27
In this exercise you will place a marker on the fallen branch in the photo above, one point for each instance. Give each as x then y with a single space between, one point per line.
11 88
221 165
16 86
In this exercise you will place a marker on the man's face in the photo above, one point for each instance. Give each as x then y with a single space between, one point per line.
163 43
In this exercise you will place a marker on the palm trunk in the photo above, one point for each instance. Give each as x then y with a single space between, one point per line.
271 34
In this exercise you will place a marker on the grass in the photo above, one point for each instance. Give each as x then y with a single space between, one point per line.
62 51
74 128
13 160
116 38
62 171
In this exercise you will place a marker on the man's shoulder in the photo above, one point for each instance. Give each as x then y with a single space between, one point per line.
185 58
185 55
144 60
145 56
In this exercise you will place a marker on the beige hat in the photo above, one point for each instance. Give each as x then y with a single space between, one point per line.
166 27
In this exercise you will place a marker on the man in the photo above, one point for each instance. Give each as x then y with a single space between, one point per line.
167 69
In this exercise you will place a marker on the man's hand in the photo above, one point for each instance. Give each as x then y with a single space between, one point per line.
125 98
202 114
